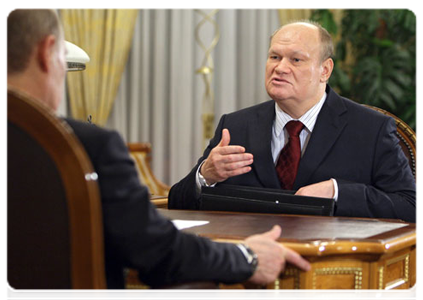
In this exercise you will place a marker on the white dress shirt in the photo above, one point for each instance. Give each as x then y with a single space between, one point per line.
280 134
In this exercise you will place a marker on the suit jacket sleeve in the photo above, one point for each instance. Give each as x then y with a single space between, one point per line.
183 195
137 236
392 192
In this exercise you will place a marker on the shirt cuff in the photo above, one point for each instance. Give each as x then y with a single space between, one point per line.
335 187
197 179
198 182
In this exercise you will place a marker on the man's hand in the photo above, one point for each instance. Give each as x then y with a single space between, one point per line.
272 256
225 161
323 189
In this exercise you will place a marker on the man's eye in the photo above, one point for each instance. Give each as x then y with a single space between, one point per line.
274 57
296 59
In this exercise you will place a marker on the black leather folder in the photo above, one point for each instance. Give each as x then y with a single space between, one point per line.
225 197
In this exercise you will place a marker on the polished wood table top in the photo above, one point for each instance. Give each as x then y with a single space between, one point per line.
308 235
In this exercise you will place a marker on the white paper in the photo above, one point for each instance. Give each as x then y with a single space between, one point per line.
182 224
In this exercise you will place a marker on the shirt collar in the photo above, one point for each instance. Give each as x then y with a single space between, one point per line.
308 119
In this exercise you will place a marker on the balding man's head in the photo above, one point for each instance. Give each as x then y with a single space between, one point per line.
36 62
324 37
298 67
25 29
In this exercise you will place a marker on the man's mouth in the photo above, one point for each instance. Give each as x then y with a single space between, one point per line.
279 80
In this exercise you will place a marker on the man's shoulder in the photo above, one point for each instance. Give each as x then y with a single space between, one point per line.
97 140
264 106
91 134
364 112
85 128
355 108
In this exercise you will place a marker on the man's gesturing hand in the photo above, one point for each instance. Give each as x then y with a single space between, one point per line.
272 256
225 161
323 189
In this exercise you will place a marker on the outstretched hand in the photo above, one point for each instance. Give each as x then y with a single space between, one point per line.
272 256
225 161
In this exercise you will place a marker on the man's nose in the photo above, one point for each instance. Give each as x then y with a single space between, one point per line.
283 66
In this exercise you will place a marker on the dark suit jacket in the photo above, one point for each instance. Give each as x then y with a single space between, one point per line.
351 143
137 236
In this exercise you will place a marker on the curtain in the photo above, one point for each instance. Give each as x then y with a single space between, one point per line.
106 35
291 15
160 96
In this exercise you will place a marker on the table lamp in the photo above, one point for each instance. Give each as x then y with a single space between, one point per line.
76 58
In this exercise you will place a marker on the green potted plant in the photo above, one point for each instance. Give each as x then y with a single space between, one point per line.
375 58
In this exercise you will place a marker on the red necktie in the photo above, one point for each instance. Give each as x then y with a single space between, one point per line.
290 155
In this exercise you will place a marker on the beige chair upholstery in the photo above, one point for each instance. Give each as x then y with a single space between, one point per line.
407 138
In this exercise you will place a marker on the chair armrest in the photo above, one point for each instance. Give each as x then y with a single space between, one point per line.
141 154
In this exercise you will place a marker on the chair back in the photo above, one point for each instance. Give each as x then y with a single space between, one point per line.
406 135
54 220
141 154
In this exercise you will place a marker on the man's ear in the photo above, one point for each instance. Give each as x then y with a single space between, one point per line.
45 52
327 68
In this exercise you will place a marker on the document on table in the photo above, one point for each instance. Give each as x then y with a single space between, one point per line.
183 224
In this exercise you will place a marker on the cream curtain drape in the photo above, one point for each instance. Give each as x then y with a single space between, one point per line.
106 35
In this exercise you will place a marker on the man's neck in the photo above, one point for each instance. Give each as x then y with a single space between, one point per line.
22 83
296 108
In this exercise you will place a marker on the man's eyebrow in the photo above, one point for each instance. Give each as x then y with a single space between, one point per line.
289 52
299 52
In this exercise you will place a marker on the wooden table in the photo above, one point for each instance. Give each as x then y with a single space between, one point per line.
345 253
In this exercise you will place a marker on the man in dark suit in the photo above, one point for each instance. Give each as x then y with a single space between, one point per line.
348 152
135 234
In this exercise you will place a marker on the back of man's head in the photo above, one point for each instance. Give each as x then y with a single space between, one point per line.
25 29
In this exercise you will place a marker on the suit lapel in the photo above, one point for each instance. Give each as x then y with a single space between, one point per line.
329 126
259 141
